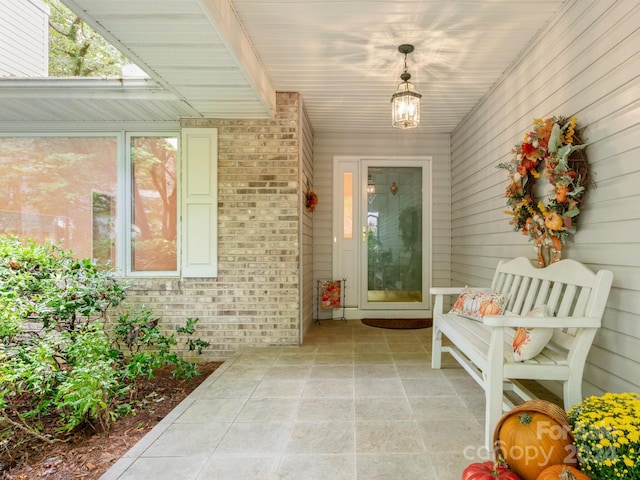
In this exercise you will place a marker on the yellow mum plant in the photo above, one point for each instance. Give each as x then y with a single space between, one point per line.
606 431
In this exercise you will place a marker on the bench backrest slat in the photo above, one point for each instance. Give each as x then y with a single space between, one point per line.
568 300
532 295
582 303
543 292
518 292
554 298
567 289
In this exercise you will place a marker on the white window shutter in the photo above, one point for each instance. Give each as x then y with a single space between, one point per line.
199 164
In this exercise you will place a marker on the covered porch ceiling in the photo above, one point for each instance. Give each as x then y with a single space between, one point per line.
228 58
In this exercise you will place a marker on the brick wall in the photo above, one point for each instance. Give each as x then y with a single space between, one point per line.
255 301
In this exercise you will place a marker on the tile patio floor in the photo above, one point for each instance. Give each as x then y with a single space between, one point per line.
354 402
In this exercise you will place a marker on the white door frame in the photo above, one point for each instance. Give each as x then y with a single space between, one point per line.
356 282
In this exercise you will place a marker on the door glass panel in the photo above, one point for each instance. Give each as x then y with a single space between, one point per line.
394 234
347 193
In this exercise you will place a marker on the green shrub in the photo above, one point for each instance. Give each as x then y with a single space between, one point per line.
58 357
46 284
147 348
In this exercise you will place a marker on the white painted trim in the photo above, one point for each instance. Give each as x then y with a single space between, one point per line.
28 129
426 163
128 197
226 22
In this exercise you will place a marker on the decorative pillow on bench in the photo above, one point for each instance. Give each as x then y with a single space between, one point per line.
475 304
529 342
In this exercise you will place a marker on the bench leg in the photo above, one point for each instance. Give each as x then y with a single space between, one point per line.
494 384
436 347
572 391
493 409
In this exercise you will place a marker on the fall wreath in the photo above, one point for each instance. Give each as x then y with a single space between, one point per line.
554 148
310 200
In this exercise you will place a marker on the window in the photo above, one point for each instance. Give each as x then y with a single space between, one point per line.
154 203
112 197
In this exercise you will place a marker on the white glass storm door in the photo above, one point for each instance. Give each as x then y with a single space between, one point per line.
394 237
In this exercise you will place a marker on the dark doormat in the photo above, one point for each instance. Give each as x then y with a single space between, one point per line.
398 323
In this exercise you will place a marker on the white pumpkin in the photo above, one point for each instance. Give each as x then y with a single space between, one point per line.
472 303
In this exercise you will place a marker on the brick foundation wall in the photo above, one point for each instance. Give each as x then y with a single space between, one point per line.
255 301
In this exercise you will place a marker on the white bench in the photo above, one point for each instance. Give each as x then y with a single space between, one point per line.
575 297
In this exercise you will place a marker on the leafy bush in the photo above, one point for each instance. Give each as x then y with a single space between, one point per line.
60 364
46 284
147 349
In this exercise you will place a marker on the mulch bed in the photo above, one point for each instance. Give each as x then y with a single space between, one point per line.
87 454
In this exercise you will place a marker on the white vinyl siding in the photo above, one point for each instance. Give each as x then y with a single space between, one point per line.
199 163
306 220
586 62
24 38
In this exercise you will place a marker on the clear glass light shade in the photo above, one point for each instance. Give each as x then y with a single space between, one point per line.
405 106
371 187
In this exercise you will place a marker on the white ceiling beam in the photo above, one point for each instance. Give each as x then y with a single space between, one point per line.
225 20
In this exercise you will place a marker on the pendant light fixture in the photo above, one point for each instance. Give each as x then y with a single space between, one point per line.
405 103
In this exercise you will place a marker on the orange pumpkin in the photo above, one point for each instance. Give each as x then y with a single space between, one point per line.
562 472
561 194
553 221
490 308
531 441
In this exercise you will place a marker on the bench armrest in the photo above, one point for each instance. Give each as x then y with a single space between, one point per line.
452 290
541 322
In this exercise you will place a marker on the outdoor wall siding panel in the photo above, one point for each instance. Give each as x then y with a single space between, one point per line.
306 182
621 323
626 345
553 87
584 63
24 38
